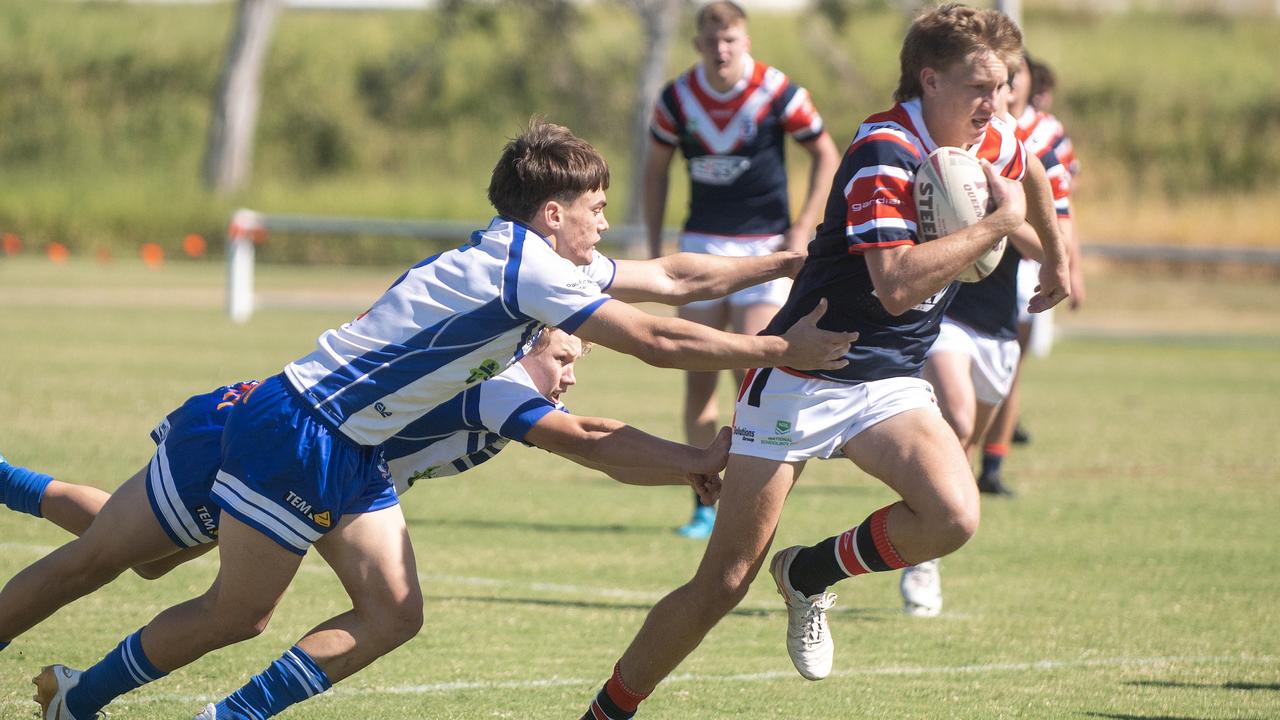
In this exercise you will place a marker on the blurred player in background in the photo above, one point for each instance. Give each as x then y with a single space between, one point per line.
868 265
729 116
301 456
1045 136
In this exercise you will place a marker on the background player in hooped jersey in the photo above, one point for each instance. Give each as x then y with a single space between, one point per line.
876 411
164 516
300 454
1043 135
729 115
971 365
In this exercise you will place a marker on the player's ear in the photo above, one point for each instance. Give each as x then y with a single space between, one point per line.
552 214
928 80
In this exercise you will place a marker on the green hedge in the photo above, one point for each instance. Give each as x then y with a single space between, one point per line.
104 107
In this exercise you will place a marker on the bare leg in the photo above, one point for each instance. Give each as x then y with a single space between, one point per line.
255 571
950 373
128 535
750 504
917 455
72 507
373 558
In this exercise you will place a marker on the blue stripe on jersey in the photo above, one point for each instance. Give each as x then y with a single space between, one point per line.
473 442
511 273
387 370
574 321
525 417
471 409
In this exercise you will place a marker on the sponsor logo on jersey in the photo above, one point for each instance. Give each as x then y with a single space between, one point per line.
161 430
323 519
421 474
718 169
487 369
382 409
782 427
745 434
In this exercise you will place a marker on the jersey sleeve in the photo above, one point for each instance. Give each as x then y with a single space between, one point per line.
510 406
1059 182
552 290
665 124
602 270
800 119
879 175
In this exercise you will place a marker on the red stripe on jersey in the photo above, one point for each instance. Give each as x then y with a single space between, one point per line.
746 383
802 117
662 120
881 136
859 248
722 112
885 196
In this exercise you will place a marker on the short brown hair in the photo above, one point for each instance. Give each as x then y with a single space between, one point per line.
1042 78
947 34
546 162
719 15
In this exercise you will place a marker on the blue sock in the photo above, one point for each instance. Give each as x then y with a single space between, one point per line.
4 644
123 669
288 681
22 489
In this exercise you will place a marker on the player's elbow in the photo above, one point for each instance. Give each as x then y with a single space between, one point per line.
897 302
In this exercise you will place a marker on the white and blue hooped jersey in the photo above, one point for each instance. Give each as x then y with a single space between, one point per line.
453 320
467 430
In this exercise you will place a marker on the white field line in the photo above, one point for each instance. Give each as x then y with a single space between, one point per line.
589 684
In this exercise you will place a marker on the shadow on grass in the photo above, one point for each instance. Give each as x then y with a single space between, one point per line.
1115 716
856 614
1207 686
548 527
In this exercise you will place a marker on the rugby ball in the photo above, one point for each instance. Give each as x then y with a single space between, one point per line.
951 194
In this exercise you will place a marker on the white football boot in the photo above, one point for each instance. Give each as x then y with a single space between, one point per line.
210 712
921 588
52 685
808 639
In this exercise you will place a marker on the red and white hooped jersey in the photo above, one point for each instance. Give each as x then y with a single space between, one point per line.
734 144
1044 135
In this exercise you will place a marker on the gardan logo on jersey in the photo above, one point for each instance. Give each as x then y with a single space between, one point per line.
487 369
297 502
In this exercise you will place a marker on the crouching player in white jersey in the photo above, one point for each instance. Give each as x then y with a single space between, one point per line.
163 516
876 411
301 458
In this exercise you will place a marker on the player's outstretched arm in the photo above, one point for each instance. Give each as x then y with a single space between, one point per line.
703 473
1055 272
676 343
685 277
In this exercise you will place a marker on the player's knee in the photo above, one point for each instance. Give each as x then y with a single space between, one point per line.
960 522
722 593
238 620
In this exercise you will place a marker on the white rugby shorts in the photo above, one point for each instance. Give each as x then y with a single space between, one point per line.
992 362
773 292
788 417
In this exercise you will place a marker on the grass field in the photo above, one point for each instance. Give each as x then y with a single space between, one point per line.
1136 576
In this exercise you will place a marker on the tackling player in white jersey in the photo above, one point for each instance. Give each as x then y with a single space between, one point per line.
300 457
164 516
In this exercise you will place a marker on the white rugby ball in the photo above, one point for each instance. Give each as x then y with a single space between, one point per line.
951 194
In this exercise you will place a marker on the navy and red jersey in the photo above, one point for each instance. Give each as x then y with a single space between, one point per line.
1044 135
871 207
990 306
735 146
